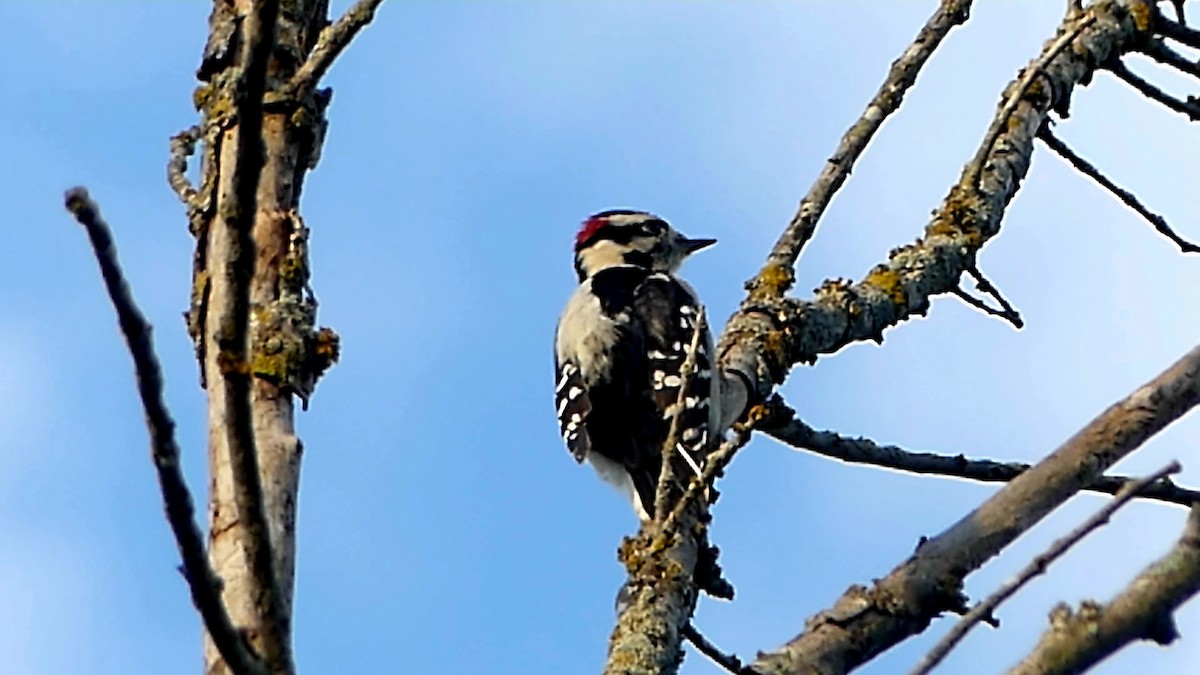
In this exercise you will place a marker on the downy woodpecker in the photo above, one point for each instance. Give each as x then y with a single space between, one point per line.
619 348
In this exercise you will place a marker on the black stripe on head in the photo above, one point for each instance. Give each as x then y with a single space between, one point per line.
599 227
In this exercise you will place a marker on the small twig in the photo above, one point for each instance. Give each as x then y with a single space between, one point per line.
183 145
1000 121
1010 313
729 662
687 372
1189 107
330 44
714 467
1178 32
203 582
800 435
1178 4
900 78
1076 641
1126 197
1159 51
1036 567
1007 311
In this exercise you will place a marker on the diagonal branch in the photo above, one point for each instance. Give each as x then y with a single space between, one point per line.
1037 566
797 434
330 44
1159 51
1127 198
1189 107
1076 641
777 275
768 335
204 584
233 335
867 621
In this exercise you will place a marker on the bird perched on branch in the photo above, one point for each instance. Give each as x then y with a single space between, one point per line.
619 349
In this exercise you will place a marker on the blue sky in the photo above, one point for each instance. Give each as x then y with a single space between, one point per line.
443 528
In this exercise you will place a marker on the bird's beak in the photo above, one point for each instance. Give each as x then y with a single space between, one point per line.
693 245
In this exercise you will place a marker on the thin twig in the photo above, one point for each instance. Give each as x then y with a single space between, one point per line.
1037 566
1178 32
330 44
1076 641
729 662
900 78
714 467
233 335
1189 108
183 145
687 372
203 582
1009 312
1159 51
800 435
1000 121
1126 197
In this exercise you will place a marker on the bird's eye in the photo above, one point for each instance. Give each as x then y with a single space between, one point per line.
654 228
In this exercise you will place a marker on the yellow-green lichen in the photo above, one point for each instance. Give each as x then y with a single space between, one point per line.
1143 16
772 281
889 282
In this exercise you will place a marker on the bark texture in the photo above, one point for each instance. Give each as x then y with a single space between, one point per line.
286 352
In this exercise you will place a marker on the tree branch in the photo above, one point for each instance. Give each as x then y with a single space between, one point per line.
1036 567
1159 51
239 211
1189 108
797 434
777 274
1178 32
330 44
867 621
183 145
768 335
1127 198
1079 640
729 662
204 584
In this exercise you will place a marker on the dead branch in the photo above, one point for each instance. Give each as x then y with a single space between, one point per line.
203 582
729 662
330 44
1189 107
1178 32
1127 198
866 621
795 433
1008 312
1037 566
768 335
183 145
1159 51
777 274
233 336
1078 640
671 445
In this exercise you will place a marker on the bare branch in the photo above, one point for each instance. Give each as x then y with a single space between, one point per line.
1126 197
768 335
1036 567
1189 107
204 584
1159 51
233 334
1009 312
330 44
1079 640
183 145
865 622
1016 94
796 433
671 445
1178 32
729 662
777 276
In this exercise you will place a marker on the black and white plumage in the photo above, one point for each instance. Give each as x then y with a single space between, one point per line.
619 349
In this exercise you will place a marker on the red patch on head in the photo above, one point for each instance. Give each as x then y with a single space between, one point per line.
591 226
